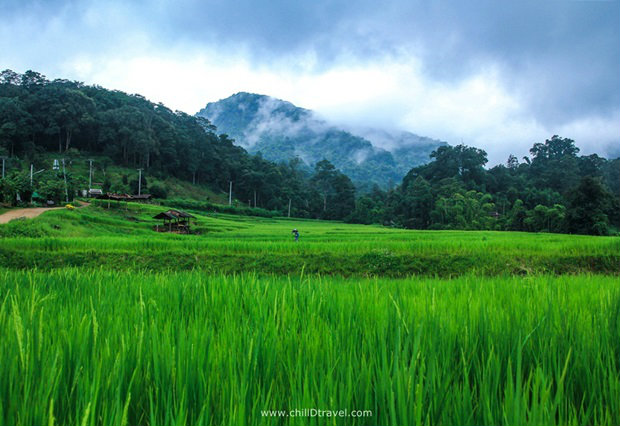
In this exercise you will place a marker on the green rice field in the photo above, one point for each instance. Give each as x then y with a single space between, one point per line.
105 322
124 239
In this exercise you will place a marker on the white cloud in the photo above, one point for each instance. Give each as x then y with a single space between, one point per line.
118 48
390 93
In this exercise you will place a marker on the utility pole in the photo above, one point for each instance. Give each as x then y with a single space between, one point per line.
90 175
64 174
289 207
255 198
139 181
32 173
230 194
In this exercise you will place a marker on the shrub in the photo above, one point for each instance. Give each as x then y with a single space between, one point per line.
158 190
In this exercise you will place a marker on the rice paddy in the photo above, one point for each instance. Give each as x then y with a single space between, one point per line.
240 325
124 239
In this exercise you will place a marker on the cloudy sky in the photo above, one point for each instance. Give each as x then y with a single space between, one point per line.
498 74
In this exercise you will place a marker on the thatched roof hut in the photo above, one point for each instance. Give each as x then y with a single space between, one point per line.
174 221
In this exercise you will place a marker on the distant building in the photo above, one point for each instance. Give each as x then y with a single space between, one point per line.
123 197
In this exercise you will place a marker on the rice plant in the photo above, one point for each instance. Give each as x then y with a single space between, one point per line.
96 347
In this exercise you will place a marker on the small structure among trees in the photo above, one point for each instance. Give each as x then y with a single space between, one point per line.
174 221
124 197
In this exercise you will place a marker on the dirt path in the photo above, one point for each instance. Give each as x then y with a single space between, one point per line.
26 213
32 212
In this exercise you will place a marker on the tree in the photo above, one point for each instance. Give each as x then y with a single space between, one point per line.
52 187
323 178
554 148
367 211
418 204
589 203
133 184
336 189
463 210
18 183
158 190
15 124
546 219
554 164
462 162
513 162
517 216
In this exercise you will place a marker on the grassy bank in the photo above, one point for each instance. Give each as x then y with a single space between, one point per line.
99 347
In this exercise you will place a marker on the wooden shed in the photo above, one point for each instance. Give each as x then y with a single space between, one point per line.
174 221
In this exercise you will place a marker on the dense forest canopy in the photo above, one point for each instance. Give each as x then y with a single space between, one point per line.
39 116
552 190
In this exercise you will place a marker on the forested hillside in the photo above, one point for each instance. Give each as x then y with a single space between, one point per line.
552 190
281 131
38 117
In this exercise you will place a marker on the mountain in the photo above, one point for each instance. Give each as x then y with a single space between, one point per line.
281 131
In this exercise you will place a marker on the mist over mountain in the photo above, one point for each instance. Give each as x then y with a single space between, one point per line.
281 131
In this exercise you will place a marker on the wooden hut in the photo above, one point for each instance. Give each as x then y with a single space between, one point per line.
174 221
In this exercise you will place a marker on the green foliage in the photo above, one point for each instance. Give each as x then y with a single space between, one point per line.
336 190
22 228
13 184
207 207
461 161
158 190
93 346
470 210
554 164
415 208
539 195
39 116
150 330
546 193
589 204
367 211
134 187
545 219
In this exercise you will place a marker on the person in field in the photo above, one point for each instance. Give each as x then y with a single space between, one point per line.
296 234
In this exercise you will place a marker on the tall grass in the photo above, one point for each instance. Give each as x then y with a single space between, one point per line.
95 347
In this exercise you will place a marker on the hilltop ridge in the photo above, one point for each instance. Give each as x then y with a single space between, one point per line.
280 131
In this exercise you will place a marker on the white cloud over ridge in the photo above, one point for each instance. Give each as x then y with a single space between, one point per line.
499 78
